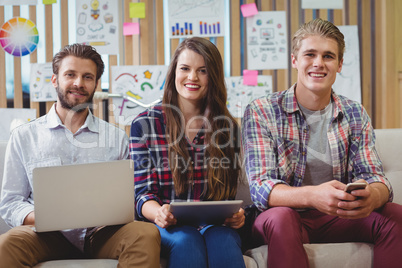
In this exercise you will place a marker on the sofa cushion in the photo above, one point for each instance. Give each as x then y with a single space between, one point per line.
101 263
105 263
347 255
389 147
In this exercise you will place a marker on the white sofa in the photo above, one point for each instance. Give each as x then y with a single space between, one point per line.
389 146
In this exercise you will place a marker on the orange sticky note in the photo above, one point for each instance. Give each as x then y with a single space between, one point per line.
249 9
137 10
250 77
131 28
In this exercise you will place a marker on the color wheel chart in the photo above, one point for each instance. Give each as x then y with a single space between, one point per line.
19 36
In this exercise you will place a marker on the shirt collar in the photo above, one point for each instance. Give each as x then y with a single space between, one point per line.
290 102
53 120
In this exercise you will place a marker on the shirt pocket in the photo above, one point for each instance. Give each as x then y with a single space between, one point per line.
47 162
286 150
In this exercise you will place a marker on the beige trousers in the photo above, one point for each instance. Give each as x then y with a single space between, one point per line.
136 244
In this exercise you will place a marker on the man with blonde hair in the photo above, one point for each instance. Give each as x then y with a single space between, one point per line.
302 146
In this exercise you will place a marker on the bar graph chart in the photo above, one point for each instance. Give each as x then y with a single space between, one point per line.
204 18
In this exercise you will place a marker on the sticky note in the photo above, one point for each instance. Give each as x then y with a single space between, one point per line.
49 2
137 10
250 77
131 28
249 9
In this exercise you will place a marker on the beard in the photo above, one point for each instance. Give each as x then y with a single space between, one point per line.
67 104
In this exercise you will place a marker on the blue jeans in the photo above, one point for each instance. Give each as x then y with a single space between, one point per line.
213 246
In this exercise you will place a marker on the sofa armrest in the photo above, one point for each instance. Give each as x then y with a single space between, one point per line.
389 147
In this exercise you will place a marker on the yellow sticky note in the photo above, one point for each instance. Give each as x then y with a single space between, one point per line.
137 10
49 2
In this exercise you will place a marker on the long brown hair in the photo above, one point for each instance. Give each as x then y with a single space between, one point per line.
222 139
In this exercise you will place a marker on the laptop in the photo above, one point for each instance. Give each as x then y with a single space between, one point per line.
83 195
204 212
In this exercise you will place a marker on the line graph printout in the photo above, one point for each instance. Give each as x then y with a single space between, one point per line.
143 83
189 18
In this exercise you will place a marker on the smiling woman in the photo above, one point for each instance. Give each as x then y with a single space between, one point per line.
187 149
191 79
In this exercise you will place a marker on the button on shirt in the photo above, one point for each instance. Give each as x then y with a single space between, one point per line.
152 174
275 138
47 142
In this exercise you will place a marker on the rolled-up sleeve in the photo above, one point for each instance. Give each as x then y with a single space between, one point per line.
260 154
366 163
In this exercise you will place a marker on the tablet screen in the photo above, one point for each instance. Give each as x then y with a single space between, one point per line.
204 212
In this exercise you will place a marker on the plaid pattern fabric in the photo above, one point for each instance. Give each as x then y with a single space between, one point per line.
152 174
275 137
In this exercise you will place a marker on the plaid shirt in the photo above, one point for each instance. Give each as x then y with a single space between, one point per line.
152 174
275 138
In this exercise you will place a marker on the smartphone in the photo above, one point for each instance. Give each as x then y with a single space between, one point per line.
355 186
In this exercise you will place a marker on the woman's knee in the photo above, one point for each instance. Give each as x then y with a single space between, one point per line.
222 234
184 243
183 237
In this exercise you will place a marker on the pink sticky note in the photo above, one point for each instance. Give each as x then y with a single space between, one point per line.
250 77
249 9
131 28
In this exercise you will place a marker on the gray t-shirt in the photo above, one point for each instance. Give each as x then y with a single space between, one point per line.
319 161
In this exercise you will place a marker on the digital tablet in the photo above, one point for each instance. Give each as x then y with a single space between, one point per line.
204 212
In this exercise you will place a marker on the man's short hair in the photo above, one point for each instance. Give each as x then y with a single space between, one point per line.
322 28
80 51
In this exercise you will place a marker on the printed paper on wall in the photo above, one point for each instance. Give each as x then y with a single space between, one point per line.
142 83
40 86
240 95
18 2
203 18
97 25
348 82
267 41
322 4
12 117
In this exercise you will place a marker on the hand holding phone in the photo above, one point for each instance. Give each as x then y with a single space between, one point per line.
355 186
